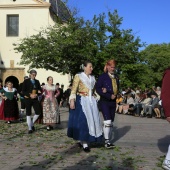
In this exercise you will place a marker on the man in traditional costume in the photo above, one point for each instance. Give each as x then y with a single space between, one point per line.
30 89
22 100
107 88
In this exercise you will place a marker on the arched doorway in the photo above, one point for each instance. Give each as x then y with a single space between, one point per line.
14 80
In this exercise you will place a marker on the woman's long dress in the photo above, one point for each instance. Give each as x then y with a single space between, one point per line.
51 113
84 121
11 111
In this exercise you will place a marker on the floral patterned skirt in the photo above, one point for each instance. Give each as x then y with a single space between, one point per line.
50 111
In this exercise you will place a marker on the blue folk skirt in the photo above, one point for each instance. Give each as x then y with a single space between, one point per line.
77 124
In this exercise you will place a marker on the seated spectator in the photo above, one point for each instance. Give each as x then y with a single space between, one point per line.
145 103
154 103
129 103
157 110
136 109
118 101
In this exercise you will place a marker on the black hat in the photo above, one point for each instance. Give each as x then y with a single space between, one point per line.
33 71
153 93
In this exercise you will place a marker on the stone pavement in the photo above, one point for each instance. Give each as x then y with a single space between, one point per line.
141 144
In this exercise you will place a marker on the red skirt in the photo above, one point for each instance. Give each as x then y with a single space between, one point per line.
11 111
2 110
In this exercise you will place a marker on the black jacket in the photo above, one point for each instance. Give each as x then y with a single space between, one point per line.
27 87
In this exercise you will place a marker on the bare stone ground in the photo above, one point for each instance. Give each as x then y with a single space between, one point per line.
141 144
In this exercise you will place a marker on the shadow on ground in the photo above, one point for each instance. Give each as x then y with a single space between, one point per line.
163 143
120 132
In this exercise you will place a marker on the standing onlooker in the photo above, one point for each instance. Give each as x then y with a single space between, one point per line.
11 111
60 96
67 94
30 89
50 104
22 100
107 87
158 92
84 118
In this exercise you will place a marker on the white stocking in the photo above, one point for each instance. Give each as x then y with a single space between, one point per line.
35 118
84 144
106 130
29 122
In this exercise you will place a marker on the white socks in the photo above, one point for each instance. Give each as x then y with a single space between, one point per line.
84 144
21 113
107 129
168 154
30 122
35 118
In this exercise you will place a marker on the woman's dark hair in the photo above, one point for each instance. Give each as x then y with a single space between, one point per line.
49 78
85 63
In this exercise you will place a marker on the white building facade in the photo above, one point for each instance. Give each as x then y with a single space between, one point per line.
20 19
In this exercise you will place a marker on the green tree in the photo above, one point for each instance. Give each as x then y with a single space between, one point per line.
155 59
62 48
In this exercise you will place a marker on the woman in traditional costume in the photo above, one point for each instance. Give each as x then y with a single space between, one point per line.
11 111
50 104
84 122
1 102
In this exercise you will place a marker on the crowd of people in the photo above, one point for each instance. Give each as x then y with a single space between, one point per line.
140 103
45 100
84 123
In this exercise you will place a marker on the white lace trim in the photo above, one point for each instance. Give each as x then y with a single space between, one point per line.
92 115
72 96
6 89
49 88
89 82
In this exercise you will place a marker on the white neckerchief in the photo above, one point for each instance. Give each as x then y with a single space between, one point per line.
50 88
89 82
6 89
111 75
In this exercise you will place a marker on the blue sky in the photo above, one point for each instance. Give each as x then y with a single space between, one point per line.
149 19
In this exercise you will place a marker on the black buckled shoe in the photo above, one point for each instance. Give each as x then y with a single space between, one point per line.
109 145
48 128
86 149
21 120
33 128
30 131
9 122
80 145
